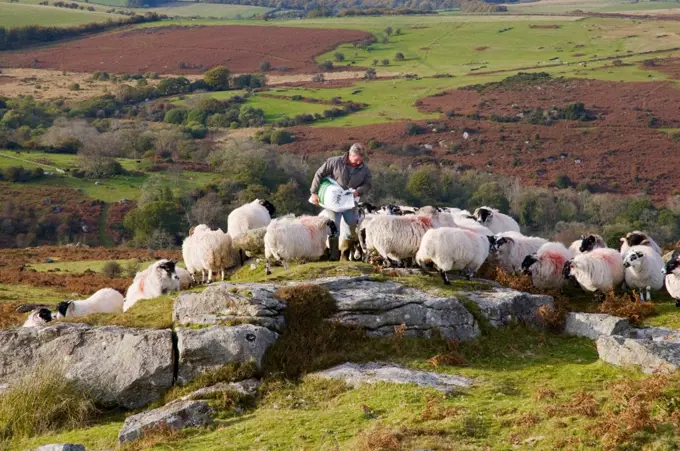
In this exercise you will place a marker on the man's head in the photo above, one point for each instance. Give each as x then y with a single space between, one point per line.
356 154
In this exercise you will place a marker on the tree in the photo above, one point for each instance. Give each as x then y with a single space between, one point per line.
370 74
209 210
265 66
491 194
422 186
318 78
339 57
288 198
399 56
217 78
112 269
388 31
375 62
385 62
160 215
326 66
172 86
175 116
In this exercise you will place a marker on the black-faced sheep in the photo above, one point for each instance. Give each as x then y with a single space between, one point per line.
106 300
637 238
599 270
495 221
451 248
672 278
643 270
151 283
545 266
38 318
510 249
297 238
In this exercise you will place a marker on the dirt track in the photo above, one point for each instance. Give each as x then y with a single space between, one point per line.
189 50
619 152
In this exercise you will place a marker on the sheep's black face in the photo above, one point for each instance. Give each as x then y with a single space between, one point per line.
566 270
393 210
500 242
270 208
672 264
588 243
45 314
62 308
333 228
492 242
484 215
633 259
366 207
528 262
635 238
168 267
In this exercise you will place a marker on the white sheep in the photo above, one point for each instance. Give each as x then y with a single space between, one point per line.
575 247
672 278
590 242
190 251
290 238
643 270
510 249
251 242
546 265
599 270
398 237
496 221
106 300
38 318
636 238
451 248
215 252
464 220
155 280
254 215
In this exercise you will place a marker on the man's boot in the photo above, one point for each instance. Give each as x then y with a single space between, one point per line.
334 242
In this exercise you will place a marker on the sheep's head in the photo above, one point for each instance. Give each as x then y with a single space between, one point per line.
673 264
269 206
366 208
528 262
483 215
591 242
63 309
167 274
332 228
633 259
566 270
502 243
45 315
636 238
492 242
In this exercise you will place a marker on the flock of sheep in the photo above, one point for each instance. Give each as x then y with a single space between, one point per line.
447 238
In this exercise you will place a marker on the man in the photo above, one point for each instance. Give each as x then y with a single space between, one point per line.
350 172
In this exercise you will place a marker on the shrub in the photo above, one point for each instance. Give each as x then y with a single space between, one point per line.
42 402
370 74
74 87
563 181
265 66
112 269
326 66
388 31
385 62
318 78
131 268
339 57
175 116
414 129
399 56
217 78
281 137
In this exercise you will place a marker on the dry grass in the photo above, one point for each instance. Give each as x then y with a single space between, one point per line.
544 393
627 307
231 372
380 438
434 411
450 358
44 401
153 437
582 403
9 317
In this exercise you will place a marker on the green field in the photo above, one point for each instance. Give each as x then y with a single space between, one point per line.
276 109
19 14
603 6
195 9
108 190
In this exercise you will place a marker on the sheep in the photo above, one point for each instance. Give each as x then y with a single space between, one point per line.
545 266
672 278
643 270
38 318
251 242
303 237
186 280
215 252
155 280
510 248
452 248
254 215
636 238
495 221
106 300
575 247
598 271
398 237
190 251
464 220
591 242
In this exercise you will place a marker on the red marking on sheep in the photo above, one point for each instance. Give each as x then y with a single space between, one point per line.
424 221
556 260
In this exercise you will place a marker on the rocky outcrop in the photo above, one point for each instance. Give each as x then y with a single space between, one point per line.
379 307
61 447
207 349
122 366
504 306
227 303
247 387
592 325
651 356
370 373
175 416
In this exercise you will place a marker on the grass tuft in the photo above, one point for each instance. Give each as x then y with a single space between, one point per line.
44 401
231 372
380 438
627 307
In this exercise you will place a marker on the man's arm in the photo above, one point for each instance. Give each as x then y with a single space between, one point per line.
366 186
323 171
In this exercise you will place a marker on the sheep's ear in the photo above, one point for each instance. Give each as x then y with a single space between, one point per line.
622 239
645 242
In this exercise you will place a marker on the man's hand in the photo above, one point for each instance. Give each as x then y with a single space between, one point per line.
315 199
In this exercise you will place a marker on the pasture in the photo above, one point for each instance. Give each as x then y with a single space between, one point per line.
22 14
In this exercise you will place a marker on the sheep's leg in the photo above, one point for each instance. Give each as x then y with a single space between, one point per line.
677 302
599 296
469 274
202 275
445 277
285 265
267 267
649 293
222 274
